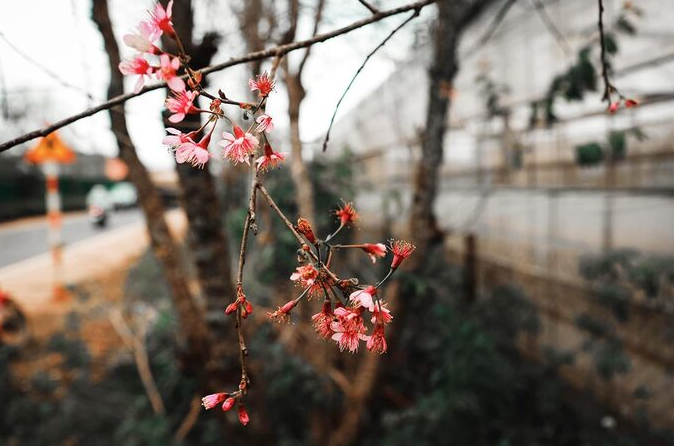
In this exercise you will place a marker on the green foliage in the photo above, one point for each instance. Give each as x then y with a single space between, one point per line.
589 154
580 78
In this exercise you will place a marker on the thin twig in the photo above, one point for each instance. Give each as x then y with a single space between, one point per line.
190 420
608 87
372 9
550 24
493 27
285 220
353 79
44 69
257 55
136 344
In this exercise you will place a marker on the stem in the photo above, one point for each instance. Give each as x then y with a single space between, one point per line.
249 222
297 235
381 282
608 87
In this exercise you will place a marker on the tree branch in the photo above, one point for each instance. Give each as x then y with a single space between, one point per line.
608 87
348 87
257 55
317 21
372 9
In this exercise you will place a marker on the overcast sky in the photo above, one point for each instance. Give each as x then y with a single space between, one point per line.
59 35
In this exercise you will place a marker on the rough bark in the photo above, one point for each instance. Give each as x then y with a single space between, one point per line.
207 241
453 17
162 243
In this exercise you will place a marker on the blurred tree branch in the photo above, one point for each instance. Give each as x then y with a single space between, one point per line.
163 245
258 55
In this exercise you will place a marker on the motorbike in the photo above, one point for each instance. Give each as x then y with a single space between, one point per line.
98 215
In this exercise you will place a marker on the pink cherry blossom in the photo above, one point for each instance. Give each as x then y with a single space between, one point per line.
374 250
376 342
349 329
262 84
210 401
176 138
137 65
322 321
143 40
264 123
364 298
238 146
270 158
181 104
167 72
306 276
196 154
381 314
160 18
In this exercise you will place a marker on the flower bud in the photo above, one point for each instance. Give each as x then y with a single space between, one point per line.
243 415
304 228
228 404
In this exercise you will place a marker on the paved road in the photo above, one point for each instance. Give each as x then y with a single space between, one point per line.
19 241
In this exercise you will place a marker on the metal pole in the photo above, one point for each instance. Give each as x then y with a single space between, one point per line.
53 205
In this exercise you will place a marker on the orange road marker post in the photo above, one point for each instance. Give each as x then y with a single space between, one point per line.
50 153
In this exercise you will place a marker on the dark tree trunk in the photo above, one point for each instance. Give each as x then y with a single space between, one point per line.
163 245
206 237
453 17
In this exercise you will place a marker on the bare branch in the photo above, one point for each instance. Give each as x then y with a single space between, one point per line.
348 87
550 24
372 9
493 27
44 69
318 17
257 55
608 87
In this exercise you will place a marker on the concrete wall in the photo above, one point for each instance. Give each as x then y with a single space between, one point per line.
533 222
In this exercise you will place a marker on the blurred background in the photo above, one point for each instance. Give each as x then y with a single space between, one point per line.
538 308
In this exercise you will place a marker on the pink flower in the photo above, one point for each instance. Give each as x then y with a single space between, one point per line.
210 401
381 314
264 123
160 19
377 343
181 104
262 84
401 250
283 313
613 107
307 277
270 158
363 298
374 250
243 415
196 154
346 214
630 103
348 328
137 65
143 39
176 138
321 321
167 72
239 146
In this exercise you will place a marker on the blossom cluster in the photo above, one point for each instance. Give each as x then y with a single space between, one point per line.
238 145
347 305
